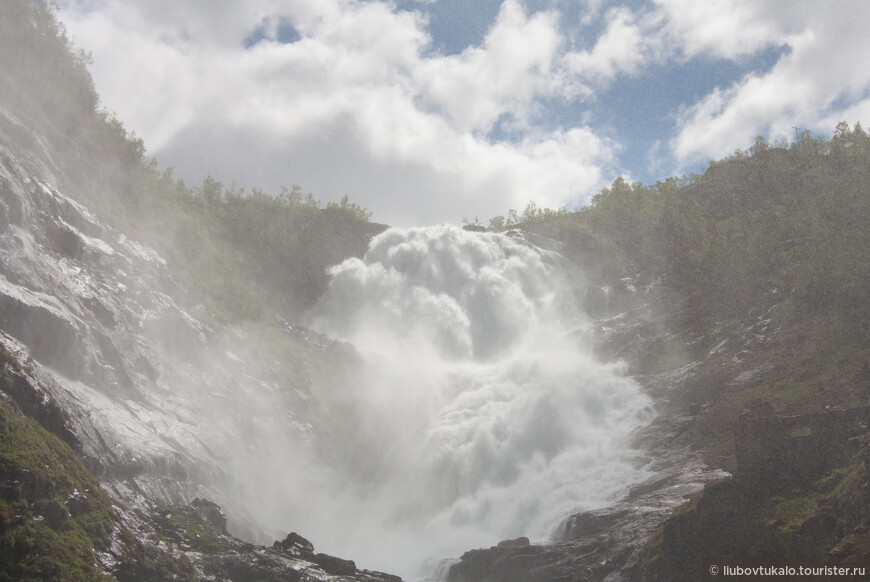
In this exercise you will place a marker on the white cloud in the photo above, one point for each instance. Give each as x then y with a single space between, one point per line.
622 48
356 106
815 81
725 28
503 76
361 104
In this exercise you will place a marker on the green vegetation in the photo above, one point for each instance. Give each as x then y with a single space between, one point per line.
531 216
792 219
253 249
772 238
235 251
824 520
53 514
31 36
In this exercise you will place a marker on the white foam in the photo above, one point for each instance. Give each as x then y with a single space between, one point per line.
477 416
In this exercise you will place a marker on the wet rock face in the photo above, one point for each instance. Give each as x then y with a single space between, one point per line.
112 361
606 543
198 531
592 523
51 337
93 315
71 288
76 299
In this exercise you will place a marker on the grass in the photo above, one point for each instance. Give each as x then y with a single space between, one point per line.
53 514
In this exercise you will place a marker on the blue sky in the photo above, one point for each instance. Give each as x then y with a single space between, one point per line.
428 111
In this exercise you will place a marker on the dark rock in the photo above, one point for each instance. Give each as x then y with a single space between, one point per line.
517 543
853 549
294 544
249 567
527 563
591 523
333 565
212 513
103 314
200 526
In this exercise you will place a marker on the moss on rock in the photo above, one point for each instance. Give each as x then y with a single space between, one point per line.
53 514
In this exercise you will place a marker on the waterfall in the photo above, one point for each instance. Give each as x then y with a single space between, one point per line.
463 408
475 414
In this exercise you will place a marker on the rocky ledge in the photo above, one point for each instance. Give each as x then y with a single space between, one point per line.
57 523
197 533
604 544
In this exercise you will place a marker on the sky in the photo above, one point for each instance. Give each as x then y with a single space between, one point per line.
432 111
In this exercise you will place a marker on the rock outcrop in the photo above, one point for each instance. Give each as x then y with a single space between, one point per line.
606 543
198 534
773 451
800 492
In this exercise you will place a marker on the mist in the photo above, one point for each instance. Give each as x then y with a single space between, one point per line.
439 397
467 411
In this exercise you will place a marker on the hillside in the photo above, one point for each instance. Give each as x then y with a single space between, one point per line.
739 299
115 280
235 250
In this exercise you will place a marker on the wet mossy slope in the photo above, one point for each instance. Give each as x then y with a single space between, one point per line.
53 514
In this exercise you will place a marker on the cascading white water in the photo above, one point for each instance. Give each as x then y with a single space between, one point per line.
471 412
476 415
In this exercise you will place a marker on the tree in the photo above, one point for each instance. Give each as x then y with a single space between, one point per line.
351 209
759 145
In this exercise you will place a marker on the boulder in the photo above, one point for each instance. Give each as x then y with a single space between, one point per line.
295 545
336 566
212 513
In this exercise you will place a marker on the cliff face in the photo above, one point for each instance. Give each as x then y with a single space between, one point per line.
800 493
100 346
94 314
